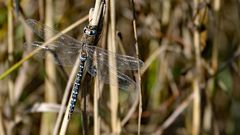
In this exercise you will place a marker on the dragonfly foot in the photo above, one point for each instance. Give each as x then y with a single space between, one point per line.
93 70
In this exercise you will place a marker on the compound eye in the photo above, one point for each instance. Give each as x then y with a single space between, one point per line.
93 32
84 29
90 31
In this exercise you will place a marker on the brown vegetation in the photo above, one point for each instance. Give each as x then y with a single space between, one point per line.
189 83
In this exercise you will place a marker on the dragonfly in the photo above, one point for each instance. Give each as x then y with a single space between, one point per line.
67 50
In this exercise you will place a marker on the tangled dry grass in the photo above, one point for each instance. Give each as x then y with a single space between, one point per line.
189 82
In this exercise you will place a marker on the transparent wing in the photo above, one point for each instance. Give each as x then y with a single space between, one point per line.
65 56
66 50
40 29
124 62
123 81
67 47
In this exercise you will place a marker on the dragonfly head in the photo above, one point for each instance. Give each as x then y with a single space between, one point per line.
90 30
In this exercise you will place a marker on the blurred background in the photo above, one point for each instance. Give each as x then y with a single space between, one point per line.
190 82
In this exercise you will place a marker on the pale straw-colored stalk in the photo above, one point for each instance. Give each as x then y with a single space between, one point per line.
9 127
47 119
115 122
171 119
138 100
138 75
10 50
196 79
216 5
97 85
95 106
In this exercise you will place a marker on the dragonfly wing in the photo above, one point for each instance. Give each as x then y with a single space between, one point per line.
124 62
41 29
123 81
65 56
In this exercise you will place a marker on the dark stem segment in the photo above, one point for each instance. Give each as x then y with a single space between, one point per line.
77 83
84 114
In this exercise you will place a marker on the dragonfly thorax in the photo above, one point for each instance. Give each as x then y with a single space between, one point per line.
83 56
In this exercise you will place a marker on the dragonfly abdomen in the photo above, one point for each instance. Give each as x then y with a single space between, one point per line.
77 83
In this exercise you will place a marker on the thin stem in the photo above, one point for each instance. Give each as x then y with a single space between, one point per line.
175 114
196 79
95 17
10 50
138 75
115 122
50 96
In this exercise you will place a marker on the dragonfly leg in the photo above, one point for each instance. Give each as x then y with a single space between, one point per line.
92 70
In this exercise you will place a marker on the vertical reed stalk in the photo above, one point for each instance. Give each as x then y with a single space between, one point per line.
138 100
196 79
23 75
41 9
138 75
10 127
115 122
208 112
1 125
196 108
96 13
48 119
96 99
216 5
10 50
216 39
98 8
